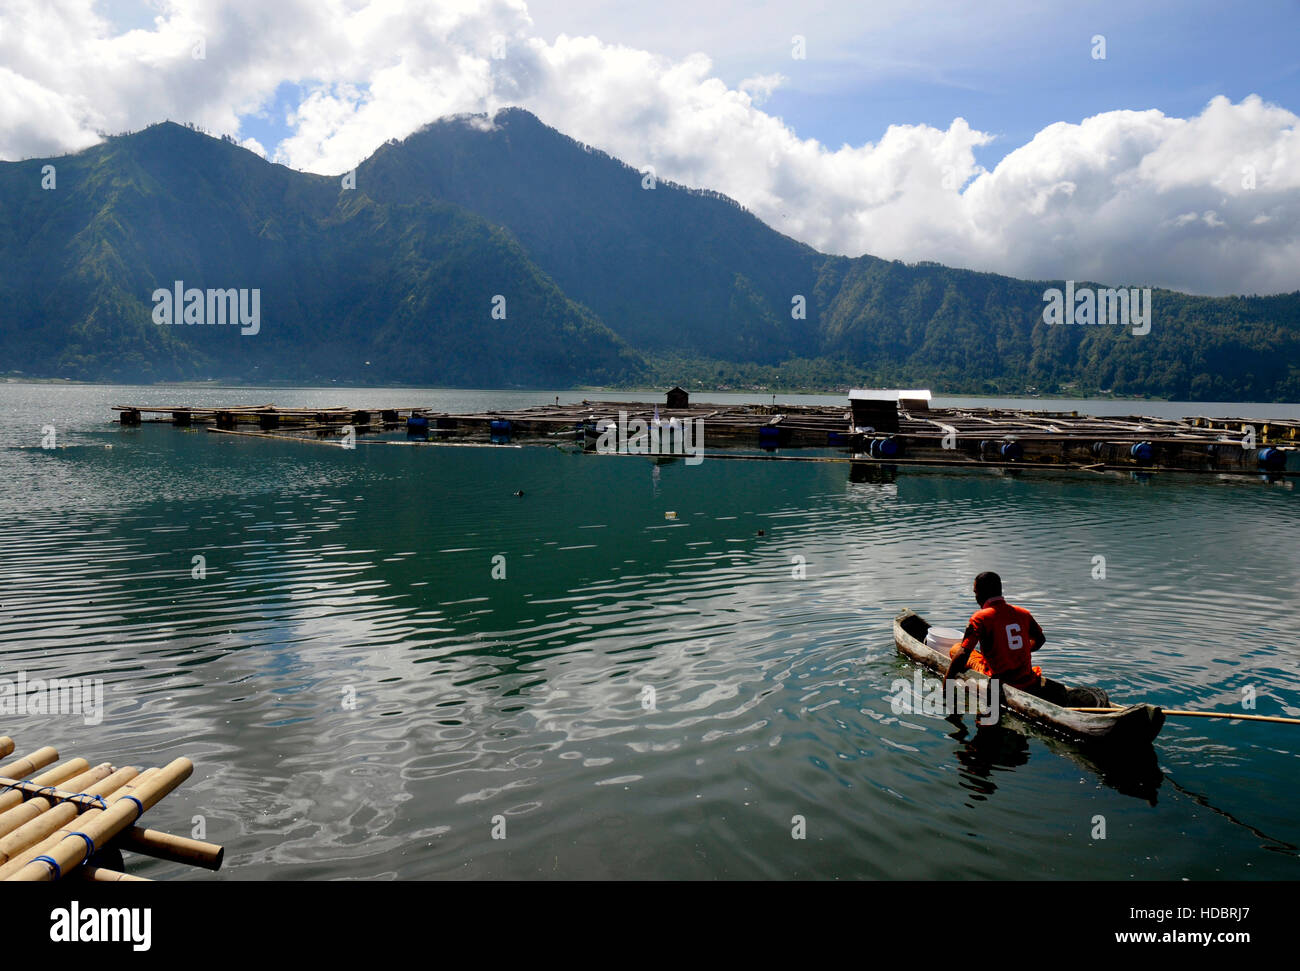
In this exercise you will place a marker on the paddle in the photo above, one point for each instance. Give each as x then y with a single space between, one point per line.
1170 712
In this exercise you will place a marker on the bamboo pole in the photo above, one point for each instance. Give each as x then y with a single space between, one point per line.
174 849
102 825
1182 713
6 745
30 763
20 843
55 776
84 799
63 772
29 854
40 828
116 781
164 846
102 874
108 786
25 812
11 819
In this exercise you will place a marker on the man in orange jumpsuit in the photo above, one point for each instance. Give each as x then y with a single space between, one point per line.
999 640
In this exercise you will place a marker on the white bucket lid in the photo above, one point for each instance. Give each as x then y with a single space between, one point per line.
943 635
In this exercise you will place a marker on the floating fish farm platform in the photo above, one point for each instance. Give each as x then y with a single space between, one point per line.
873 427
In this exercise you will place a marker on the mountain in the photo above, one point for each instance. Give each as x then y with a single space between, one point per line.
351 289
606 278
667 267
931 325
699 283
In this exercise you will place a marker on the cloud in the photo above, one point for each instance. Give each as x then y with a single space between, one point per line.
760 87
253 145
1109 199
1207 204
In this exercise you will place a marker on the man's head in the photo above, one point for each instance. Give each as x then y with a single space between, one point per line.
987 585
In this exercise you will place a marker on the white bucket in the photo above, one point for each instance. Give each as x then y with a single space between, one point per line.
942 638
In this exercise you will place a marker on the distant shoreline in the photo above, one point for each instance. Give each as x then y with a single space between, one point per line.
585 389
650 393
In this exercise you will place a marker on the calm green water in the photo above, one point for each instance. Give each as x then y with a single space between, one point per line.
367 575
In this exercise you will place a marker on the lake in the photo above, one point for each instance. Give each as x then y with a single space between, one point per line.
387 665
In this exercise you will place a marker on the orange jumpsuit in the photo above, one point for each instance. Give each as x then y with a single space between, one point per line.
1002 638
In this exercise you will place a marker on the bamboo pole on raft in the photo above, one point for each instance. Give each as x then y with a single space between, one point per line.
52 840
100 826
11 819
17 845
163 846
55 776
71 769
86 800
35 849
100 874
172 848
30 763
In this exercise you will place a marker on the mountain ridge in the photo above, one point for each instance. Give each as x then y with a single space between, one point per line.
602 280
349 284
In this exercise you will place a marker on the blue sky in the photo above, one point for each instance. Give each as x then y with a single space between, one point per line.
1173 57
1009 69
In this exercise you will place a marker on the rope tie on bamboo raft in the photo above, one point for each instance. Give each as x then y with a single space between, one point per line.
52 793
91 849
139 806
54 865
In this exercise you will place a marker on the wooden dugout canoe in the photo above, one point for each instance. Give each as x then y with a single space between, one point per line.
1128 728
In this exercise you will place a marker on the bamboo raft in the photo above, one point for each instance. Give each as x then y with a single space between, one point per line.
65 822
917 435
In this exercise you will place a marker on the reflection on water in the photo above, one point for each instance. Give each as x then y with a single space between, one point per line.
387 655
990 747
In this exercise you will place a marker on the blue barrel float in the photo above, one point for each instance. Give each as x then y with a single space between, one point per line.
1271 459
1010 451
1142 453
769 436
885 448
500 431
417 426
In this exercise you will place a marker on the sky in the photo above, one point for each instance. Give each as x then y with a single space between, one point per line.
1138 143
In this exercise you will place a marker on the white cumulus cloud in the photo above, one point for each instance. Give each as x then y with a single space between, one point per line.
1206 204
